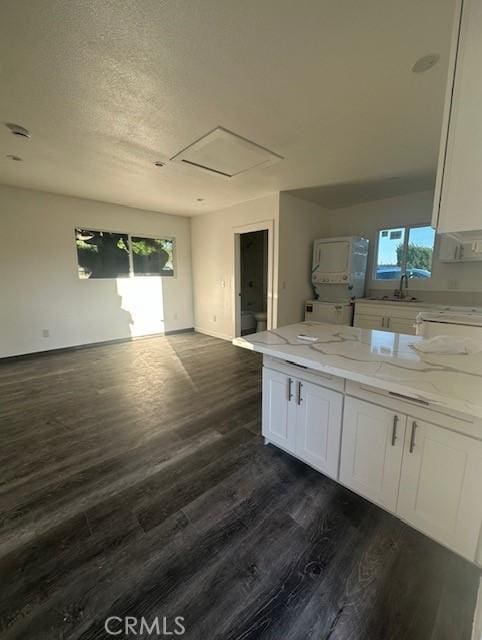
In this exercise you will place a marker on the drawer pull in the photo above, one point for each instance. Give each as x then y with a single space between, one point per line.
290 393
299 398
400 395
412 436
294 364
394 429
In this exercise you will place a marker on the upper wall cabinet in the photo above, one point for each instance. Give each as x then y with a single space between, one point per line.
458 191
455 249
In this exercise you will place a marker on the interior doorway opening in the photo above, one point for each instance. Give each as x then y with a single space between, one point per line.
253 274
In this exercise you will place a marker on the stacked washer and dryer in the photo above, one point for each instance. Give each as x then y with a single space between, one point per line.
338 277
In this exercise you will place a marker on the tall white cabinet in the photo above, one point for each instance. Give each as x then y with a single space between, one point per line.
458 192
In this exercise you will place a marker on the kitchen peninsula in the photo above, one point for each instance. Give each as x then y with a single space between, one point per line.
400 427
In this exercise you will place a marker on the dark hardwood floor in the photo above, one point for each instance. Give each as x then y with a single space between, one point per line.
134 482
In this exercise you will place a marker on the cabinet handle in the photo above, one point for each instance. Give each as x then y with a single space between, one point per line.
412 436
394 429
388 323
456 252
290 384
383 322
299 398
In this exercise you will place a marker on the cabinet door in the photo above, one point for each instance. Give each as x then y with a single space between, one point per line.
318 426
458 176
371 451
279 409
441 485
401 325
365 321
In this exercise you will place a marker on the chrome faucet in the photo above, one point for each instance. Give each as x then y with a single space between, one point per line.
400 293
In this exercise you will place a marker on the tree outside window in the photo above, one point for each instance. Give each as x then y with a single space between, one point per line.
405 250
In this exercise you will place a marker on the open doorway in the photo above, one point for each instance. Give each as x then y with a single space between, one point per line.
253 290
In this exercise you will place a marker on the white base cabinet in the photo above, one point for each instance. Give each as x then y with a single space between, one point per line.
371 454
318 427
397 317
441 485
279 412
303 418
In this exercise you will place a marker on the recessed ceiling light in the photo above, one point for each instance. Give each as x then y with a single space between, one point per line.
18 130
425 63
200 199
159 163
10 156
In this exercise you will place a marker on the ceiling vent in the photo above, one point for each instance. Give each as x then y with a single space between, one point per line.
226 154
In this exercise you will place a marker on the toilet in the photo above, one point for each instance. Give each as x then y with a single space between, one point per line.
248 323
261 318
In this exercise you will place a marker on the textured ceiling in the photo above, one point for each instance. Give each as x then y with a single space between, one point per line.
108 87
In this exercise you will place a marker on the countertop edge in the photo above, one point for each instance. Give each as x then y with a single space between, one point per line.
373 381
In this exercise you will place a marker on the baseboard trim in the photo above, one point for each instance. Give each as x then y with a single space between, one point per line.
174 332
89 345
213 334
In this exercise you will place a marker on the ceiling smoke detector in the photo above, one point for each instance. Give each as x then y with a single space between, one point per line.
425 63
224 153
18 130
159 163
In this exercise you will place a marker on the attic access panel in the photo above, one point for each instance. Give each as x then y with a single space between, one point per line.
225 153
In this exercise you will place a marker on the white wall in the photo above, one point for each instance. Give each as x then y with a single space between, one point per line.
212 240
300 223
40 288
366 219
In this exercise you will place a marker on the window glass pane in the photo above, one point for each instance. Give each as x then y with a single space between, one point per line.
390 254
420 251
101 254
152 256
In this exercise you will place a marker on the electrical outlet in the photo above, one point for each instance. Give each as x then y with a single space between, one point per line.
223 283
214 318
46 333
176 316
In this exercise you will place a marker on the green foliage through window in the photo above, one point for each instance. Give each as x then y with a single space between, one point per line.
405 250
152 256
104 254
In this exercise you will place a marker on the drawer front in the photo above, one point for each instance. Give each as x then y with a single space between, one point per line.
453 420
390 310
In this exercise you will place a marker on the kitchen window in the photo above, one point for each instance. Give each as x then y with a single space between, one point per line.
404 250
107 254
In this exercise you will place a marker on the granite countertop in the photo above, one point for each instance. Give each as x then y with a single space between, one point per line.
379 358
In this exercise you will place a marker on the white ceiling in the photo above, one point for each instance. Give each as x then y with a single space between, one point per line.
108 87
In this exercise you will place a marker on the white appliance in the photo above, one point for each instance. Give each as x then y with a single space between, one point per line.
339 268
331 312
451 322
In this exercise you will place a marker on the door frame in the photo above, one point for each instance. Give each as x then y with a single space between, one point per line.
265 225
